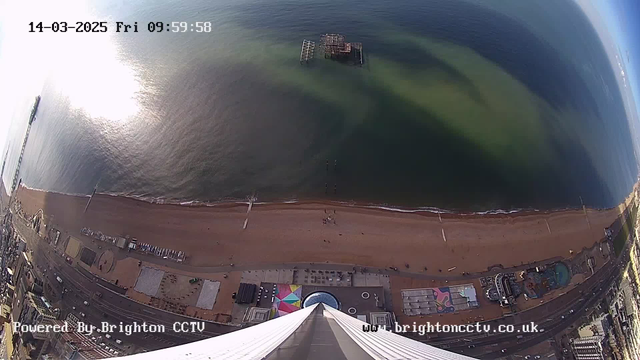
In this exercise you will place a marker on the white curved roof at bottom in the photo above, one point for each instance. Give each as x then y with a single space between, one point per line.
258 341
385 344
254 342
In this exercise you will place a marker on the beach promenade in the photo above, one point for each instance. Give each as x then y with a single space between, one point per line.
290 233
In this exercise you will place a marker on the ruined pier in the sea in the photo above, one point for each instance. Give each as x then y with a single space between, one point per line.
308 51
335 47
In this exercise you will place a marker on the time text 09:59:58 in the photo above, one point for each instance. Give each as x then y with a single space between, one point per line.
103 26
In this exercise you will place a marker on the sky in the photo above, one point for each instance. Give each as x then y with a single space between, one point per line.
616 22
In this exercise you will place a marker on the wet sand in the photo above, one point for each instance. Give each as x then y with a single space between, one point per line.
287 233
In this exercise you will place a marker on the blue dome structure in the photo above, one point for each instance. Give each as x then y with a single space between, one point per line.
321 297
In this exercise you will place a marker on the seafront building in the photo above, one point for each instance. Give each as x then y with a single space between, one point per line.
588 348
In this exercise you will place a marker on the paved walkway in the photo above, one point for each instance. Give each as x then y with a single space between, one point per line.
327 266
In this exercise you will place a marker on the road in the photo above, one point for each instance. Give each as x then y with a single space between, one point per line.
592 290
112 307
592 296
553 316
562 312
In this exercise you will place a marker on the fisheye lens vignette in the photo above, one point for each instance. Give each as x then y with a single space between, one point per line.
441 179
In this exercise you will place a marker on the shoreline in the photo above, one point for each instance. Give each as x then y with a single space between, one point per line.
280 233
421 210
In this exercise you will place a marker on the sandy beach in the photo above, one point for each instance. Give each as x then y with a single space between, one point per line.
287 233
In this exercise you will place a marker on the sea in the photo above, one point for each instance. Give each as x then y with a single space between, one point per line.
460 105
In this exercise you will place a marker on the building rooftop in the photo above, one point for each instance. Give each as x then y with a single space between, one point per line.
446 299
41 306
